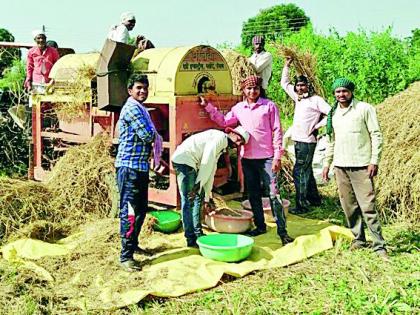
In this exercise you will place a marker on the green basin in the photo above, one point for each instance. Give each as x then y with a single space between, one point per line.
225 247
167 221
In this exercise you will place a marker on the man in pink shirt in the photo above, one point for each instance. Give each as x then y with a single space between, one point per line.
261 156
309 109
41 59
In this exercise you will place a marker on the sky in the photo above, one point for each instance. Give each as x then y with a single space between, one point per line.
84 24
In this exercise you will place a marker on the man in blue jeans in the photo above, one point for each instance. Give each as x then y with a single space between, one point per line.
310 110
195 163
136 135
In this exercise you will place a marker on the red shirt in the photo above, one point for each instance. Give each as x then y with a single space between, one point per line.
39 64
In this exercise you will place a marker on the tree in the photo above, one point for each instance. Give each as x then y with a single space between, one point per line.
7 55
274 23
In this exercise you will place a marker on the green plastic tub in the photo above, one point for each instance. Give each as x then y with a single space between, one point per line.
167 220
225 247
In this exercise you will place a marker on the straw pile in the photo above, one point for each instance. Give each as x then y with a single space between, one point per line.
78 189
240 68
304 64
398 182
285 176
80 95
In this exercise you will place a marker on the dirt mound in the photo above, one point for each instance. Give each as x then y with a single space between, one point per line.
398 182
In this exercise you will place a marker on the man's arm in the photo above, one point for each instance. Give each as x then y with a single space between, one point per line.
29 70
208 164
324 109
223 121
277 136
376 139
329 154
141 125
285 81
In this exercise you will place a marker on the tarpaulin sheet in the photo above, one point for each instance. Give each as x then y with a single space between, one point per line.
173 272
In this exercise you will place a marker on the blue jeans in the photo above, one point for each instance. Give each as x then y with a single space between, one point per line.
186 177
133 188
257 172
303 176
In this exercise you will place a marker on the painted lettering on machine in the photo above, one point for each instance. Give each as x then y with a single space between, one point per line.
203 58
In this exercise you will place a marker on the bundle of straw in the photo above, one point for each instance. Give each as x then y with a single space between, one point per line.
304 63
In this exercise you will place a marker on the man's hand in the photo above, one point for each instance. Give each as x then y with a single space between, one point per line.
372 170
289 61
276 166
206 207
192 194
203 101
28 86
325 174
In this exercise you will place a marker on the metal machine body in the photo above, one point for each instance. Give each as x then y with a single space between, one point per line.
176 75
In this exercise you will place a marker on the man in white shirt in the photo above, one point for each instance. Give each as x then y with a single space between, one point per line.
195 163
119 33
354 148
262 61
307 119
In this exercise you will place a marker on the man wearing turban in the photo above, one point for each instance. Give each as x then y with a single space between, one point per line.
262 61
119 33
261 155
354 148
40 60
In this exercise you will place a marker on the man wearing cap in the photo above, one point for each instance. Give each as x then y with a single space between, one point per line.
119 33
354 148
260 157
195 164
40 60
262 61
307 119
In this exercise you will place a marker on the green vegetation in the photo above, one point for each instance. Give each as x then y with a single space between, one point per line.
13 140
274 23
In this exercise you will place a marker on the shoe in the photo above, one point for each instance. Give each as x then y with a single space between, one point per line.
141 251
384 255
355 245
256 232
130 265
286 239
298 211
192 243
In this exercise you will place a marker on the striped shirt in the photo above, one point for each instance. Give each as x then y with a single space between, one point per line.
137 133
357 138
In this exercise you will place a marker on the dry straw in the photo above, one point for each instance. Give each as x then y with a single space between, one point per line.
240 68
305 64
398 182
80 95
78 189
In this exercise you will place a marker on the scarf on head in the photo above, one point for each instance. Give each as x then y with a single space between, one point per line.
340 82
